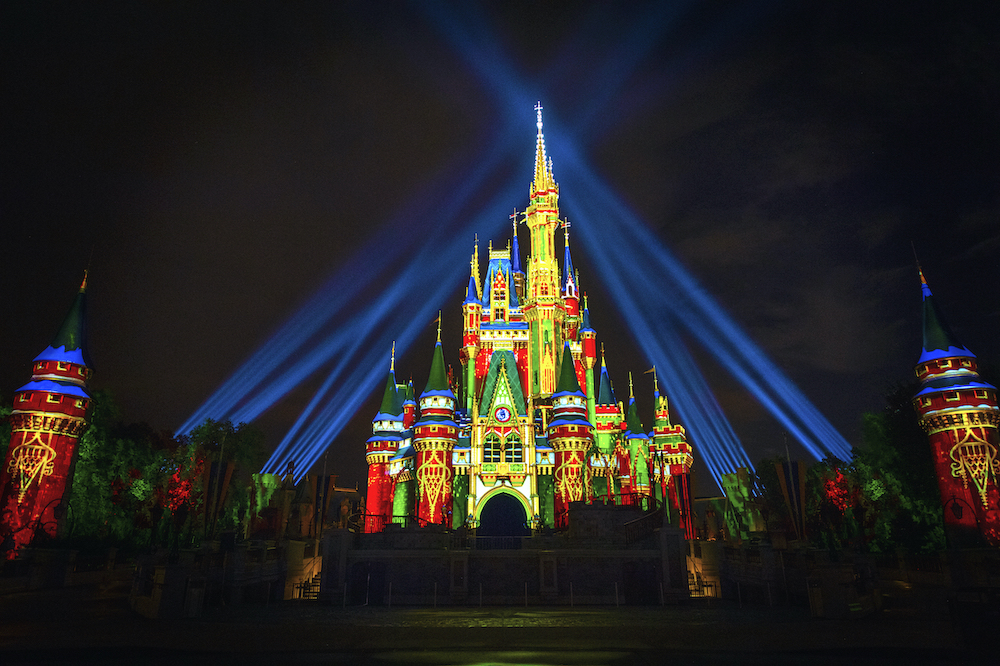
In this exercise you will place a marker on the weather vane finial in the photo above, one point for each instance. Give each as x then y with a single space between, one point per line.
439 326
392 358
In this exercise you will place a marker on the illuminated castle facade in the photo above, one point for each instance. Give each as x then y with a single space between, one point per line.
525 424
48 417
959 412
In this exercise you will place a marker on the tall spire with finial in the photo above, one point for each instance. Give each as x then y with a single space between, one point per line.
540 306
543 168
515 252
569 288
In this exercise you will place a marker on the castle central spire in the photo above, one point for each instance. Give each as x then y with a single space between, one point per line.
543 169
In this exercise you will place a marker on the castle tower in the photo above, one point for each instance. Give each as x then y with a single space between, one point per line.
472 310
635 481
671 456
48 417
387 428
570 292
570 436
515 263
435 435
409 406
608 425
543 307
959 412
588 358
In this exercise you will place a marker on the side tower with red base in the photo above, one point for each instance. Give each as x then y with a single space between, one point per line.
571 437
959 412
434 438
48 418
387 428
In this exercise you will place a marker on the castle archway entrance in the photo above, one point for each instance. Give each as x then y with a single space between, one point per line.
503 515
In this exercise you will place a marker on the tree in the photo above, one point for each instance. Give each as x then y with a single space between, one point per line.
895 467
118 471
233 454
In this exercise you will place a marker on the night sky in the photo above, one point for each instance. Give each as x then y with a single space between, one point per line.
212 164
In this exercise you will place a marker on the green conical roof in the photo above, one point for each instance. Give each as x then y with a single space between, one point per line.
568 382
939 341
632 422
438 380
70 342
391 400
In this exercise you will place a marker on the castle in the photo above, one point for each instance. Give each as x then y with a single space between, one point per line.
526 430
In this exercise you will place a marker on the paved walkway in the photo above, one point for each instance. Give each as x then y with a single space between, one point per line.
88 625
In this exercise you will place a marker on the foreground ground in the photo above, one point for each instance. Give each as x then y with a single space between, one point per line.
94 625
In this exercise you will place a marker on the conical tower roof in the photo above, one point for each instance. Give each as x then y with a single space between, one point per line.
939 341
515 254
585 319
633 425
70 343
569 275
392 403
568 382
437 382
472 294
605 394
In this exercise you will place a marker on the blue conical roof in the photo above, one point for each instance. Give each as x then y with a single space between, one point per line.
472 294
585 320
515 255
569 276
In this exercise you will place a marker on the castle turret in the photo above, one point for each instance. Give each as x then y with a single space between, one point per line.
409 406
588 359
434 438
959 412
515 263
48 418
570 292
635 480
608 425
472 310
570 436
387 428
671 456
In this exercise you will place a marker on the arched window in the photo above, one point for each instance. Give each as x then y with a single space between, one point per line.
491 448
514 450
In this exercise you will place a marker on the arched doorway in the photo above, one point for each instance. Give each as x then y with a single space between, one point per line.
503 515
